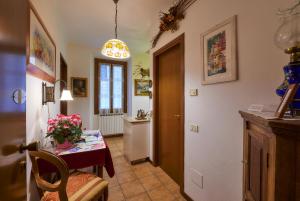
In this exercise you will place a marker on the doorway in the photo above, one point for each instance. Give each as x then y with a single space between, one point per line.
63 76
168 114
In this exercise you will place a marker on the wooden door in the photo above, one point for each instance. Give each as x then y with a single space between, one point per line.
256 169
169 110
63 76
14 22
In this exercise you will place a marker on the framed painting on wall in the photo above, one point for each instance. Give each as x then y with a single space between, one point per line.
41 56
79 86
141 87
219 53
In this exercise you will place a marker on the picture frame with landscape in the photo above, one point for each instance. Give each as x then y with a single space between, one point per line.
41 57
141 87
219 53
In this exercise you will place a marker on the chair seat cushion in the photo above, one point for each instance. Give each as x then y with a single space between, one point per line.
81 186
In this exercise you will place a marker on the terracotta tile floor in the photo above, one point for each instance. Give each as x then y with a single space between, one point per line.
141 182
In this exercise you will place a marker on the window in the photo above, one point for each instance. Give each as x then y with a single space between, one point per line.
110 87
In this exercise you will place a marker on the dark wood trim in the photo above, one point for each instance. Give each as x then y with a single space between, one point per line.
139 161
63 71
111 89
98 61
113 135
186 196
35 71
32 69
177 41
96 86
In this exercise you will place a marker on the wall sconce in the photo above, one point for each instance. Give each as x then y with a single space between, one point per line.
49 91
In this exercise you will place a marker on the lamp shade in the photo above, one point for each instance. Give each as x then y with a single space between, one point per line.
66 95
115 48
288 33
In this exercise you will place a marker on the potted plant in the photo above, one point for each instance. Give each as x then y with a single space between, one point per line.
65 130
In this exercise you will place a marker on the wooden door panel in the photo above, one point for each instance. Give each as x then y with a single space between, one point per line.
169 107
256 171
255 168
13 31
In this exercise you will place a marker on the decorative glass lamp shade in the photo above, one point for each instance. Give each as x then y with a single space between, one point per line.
288 33
287 38
115 48
66 95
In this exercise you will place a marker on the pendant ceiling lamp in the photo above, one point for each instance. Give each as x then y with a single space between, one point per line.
115 48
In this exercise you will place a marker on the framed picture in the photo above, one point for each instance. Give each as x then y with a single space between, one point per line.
41 57
79 86
286 100
141 87
219 53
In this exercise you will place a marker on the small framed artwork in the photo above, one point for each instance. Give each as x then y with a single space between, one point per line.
286 100
79 86
141 87
41 57
219 53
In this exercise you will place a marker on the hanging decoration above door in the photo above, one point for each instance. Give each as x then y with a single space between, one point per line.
169 20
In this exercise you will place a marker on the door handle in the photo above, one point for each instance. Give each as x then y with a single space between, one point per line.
177 116
30 147
244 162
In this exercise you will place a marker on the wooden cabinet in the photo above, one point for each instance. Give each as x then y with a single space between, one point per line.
271 159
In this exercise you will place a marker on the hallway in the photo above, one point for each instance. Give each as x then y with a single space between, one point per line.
142 182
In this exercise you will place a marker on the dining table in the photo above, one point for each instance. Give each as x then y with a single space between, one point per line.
90 151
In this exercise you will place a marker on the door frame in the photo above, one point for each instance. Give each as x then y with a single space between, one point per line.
177 41
63 63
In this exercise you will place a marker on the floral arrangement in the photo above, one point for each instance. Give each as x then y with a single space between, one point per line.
169 20
64 128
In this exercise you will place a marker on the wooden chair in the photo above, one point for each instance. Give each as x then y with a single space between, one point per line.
78 186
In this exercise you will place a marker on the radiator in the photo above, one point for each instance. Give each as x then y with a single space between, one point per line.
111 124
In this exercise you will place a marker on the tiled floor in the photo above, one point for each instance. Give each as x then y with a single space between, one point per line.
142 182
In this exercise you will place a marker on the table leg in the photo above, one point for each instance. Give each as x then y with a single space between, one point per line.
100 171
95 169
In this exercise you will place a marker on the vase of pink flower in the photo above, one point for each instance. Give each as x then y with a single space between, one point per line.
65 130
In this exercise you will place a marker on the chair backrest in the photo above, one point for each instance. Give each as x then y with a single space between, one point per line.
59 163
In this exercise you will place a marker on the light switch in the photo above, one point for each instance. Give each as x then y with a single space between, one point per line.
193 92
194 128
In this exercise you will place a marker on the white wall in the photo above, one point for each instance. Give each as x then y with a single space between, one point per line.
36 114
139 102
81 64
216 151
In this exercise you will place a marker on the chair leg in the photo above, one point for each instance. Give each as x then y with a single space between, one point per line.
105 194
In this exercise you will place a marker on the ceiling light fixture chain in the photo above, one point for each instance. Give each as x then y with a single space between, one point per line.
116 19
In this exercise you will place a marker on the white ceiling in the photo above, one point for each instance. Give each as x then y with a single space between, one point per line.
91 22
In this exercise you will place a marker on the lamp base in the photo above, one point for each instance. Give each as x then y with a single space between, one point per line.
292 76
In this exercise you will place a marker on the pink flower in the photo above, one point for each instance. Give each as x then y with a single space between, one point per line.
60 116
50 129
66 126
76 116
53 122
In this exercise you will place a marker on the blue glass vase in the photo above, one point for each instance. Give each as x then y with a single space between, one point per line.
292 76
